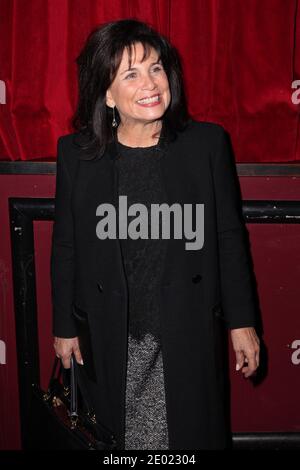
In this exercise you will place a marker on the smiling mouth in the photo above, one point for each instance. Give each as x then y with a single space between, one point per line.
152 99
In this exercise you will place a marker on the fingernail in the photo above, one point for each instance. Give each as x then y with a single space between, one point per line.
81 362
237 367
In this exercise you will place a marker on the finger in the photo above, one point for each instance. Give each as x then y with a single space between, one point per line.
251 366
78 356
239 360
66 362
257 358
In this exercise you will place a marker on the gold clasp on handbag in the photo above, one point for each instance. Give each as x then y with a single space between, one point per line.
92 417
56 401
46 396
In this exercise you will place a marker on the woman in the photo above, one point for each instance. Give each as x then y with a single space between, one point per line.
143 309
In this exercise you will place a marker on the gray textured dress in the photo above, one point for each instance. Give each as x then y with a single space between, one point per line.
145 415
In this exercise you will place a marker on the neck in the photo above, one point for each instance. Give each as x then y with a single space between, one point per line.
139 135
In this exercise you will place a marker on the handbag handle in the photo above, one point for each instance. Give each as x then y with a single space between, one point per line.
56 374
74 383
73 391
77 383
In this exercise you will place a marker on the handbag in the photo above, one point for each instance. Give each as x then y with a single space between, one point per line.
62 418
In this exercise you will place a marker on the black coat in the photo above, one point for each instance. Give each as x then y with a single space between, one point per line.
201 290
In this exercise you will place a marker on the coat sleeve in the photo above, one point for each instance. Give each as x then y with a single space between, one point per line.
62 253
236 275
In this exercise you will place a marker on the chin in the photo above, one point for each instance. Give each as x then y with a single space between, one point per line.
154 116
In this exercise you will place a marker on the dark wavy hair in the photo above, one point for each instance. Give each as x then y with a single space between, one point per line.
98 63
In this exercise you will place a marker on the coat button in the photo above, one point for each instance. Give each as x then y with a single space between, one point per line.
196 278
100 288
218 311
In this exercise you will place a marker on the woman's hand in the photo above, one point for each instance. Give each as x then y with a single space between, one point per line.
64 348
246 347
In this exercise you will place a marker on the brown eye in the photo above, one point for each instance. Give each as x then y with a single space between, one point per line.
131 75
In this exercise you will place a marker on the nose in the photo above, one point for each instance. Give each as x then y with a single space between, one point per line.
148 82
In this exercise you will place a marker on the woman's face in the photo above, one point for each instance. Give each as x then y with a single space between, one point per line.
142 93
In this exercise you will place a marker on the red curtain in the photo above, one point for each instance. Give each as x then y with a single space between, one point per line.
240 59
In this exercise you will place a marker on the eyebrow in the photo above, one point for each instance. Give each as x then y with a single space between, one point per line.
134 68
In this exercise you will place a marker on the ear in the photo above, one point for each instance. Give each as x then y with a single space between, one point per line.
109 99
